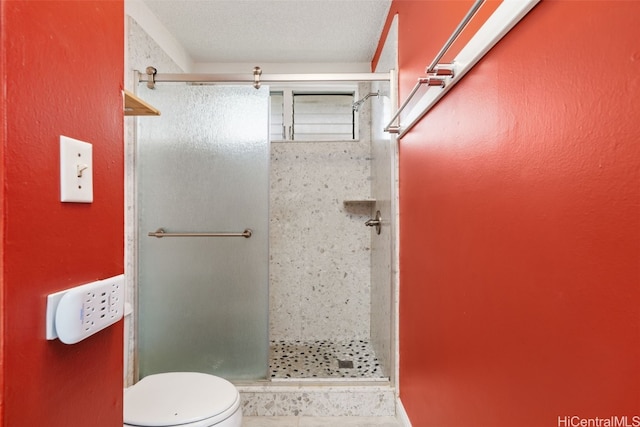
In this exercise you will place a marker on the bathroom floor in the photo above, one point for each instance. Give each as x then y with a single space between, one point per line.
323 359
320 422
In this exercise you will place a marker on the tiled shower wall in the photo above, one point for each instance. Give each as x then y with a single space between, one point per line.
382 245
319 246
384 184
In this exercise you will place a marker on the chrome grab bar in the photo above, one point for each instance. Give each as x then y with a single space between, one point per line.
160 232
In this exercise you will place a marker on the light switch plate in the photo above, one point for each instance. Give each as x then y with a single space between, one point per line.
76 170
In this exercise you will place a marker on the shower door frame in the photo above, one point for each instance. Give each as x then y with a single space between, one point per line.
131 188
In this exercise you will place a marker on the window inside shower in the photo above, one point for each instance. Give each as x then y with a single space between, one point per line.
312 114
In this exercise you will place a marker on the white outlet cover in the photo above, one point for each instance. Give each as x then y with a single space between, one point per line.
85 310
76 158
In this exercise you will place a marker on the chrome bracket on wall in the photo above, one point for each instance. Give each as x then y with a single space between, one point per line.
257 72
151 80
375 222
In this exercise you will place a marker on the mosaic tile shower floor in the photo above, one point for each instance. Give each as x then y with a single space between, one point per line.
323 359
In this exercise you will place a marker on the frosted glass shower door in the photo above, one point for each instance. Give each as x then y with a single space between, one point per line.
203 167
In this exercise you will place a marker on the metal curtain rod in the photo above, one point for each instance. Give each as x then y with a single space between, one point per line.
434 68
256 78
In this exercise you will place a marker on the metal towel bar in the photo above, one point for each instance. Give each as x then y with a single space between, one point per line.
433 67
160 232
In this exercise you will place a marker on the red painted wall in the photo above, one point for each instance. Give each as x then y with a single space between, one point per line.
520 222
62 74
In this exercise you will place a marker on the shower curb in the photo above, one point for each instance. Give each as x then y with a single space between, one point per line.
335 399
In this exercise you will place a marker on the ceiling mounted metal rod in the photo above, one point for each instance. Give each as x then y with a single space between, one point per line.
154 77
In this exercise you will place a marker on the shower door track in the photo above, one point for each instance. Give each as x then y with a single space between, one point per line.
256 77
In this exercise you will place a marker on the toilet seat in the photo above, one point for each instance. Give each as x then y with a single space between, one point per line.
189 399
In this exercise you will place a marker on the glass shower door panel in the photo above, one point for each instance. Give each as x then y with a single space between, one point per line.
203 166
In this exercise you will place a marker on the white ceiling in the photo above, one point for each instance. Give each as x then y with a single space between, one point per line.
274 31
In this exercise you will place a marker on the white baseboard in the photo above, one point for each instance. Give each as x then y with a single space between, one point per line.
401 414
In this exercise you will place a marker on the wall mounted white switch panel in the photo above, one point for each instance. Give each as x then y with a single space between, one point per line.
84 310
76 170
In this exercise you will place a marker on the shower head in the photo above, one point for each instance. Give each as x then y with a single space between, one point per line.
356 105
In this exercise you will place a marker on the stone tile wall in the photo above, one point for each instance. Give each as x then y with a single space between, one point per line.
319 248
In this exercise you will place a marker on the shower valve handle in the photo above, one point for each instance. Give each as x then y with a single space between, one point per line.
375 222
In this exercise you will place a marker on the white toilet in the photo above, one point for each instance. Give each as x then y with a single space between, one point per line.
185 399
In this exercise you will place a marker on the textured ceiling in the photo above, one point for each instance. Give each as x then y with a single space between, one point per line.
287 31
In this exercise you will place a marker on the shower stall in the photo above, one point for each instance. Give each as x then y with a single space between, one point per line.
253 259
311 296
